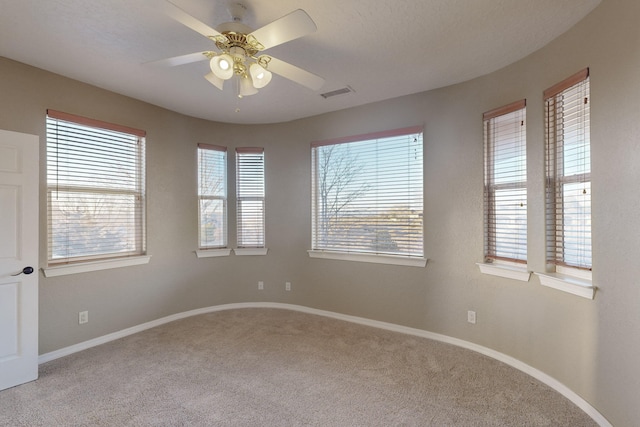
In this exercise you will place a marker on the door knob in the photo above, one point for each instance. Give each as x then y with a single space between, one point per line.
26 270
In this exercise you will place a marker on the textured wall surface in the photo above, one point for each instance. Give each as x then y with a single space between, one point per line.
590 346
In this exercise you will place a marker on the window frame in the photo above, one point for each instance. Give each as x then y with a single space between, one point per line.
560 275
91 262
358 254
493 143
250 193
556 179
214 150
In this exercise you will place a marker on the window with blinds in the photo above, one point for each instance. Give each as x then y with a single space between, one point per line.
568 172
95 189
212 196
505 183
367 194
250 197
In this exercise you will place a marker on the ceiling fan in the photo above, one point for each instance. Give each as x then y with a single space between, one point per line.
239 49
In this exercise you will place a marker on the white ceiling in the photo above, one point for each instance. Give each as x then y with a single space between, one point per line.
380 48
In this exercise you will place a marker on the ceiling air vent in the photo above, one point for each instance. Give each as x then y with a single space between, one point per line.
337 92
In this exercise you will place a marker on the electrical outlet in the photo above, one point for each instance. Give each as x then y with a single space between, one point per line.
287 286
83 317
471 317
260 285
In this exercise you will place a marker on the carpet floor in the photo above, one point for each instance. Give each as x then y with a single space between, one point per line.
272 367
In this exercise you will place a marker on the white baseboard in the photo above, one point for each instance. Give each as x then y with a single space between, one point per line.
515 363
47 357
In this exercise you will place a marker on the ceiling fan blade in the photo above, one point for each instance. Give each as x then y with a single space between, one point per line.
292 26
180 60
295 74
187 20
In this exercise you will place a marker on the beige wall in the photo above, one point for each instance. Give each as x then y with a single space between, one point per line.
592 347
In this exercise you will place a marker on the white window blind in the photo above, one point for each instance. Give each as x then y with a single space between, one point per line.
505 183
568 172
212 196
250 191
367 194
95 189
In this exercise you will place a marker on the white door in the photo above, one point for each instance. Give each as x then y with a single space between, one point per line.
18 258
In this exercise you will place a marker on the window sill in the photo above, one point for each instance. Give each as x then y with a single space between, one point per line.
576 286
508 271
85 267
210 253
250 251
377 259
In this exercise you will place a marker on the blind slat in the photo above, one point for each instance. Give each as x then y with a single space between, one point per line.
92 123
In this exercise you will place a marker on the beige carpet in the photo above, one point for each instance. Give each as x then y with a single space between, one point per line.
271 367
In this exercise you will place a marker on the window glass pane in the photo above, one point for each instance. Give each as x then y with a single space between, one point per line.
251 223
90 224
509 148
212 223
510 231
81 155
212 176
576 223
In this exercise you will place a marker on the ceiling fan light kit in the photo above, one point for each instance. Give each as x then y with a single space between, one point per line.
239 45
245 87
214 80
260 76
221 66
238 59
